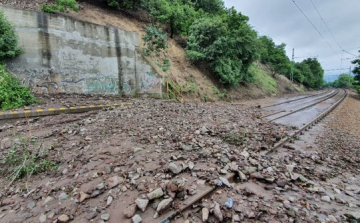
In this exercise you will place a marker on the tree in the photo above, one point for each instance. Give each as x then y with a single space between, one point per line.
298 76
8 40
305 70
312 73
356 70
344 81
12 94
227 43
274 55
177 14
317 72
128 4
210 6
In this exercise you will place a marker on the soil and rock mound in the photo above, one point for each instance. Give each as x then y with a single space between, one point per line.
134 164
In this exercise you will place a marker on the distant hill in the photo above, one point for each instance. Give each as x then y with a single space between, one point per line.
331 78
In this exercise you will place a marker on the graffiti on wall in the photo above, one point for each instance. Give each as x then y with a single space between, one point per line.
148 81
46 81
76 61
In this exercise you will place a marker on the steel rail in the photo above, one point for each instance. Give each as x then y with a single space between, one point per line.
306 126
298 99
230 177
308 106
326 95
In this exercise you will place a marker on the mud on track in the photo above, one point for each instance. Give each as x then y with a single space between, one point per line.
108 159
135 144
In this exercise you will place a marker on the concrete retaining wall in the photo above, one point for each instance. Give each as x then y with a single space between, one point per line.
62 54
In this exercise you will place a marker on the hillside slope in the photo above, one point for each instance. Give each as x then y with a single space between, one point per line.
187 81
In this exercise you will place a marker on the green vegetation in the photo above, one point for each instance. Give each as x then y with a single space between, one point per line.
356 71
312 72
219 94
274 56
61 6
22 162
155 42
221 38
8 39
210 39
343 81
263 80
124 4
238 139
357 88
174 91
190 88
177 15
308 72
12 95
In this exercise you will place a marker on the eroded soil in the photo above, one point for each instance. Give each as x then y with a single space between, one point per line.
108 159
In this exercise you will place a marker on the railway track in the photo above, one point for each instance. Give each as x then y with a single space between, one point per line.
305 105
297 99
341 95
293 104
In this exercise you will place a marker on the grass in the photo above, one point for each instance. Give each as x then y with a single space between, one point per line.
218 93
239 139
24 160
263 80
13 94
61 6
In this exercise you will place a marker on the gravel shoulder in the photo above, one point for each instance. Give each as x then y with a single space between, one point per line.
346 118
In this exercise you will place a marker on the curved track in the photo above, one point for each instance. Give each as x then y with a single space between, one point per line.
342 96
337 96
304 105
296 99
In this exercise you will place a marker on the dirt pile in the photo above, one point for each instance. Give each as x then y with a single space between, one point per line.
137 163
108 160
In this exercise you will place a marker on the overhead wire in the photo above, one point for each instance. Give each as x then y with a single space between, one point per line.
266 34
350 53
322 36
326 25
337 69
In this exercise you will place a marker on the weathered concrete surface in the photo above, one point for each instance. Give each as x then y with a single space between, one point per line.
67 55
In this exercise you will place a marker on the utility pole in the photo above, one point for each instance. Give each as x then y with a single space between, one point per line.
292 65
349 77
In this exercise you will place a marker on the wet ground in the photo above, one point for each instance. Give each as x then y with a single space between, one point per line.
299 111
107 163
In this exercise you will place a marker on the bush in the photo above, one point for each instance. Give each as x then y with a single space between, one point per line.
227 43
13 95
155 41
124 4
61 6
114 4
8 39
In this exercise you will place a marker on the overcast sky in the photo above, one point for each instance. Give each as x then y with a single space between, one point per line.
283 22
